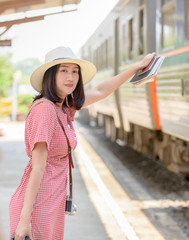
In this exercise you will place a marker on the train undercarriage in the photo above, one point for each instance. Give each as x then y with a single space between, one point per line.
159 146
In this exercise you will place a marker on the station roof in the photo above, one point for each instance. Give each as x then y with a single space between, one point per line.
10 9
15 6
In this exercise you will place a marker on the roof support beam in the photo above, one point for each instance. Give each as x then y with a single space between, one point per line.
7 28
5 43
19 21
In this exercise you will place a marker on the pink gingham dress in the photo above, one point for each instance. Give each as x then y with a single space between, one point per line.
48 215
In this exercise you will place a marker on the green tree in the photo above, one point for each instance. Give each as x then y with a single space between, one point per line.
6 74
23 101
27 66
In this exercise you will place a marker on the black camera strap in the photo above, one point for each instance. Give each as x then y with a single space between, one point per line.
71 165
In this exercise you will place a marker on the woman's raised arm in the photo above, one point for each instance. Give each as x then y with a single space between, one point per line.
107 87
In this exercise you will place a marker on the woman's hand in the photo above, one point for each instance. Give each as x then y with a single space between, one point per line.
145 61
107 87
23 230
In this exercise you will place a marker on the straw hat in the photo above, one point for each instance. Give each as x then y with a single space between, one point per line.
57 56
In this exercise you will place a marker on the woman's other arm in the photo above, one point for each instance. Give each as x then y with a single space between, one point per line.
39 157
107 87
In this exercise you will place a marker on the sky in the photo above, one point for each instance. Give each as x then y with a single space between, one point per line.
67 29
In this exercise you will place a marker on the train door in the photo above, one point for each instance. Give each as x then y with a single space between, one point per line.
116 71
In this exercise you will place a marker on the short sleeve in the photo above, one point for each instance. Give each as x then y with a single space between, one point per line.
41 124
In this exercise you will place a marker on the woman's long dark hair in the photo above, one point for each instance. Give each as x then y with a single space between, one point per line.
75 101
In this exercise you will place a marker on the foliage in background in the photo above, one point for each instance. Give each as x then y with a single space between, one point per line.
6 74
23 101
26 67
8 69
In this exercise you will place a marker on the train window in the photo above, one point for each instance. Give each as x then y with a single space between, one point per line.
165 1
89 54
102 55
187 19
94 58
110 51
98 59
168 23
141 2
97 63
130 38
141 31
106 53
124 43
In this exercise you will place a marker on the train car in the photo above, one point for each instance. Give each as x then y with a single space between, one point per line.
153 118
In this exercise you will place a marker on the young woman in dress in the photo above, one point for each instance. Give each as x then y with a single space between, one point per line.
37 208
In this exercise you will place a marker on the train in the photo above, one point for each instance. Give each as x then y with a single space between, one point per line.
152 119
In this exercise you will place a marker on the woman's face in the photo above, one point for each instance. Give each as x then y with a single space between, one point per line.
67 77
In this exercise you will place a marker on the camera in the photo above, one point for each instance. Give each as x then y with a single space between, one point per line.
71 208
13 237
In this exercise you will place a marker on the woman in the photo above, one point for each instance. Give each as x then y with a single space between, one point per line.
37 208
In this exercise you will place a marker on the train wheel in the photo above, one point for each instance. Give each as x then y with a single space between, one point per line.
100 120
113 132
107 127
110 129
137 139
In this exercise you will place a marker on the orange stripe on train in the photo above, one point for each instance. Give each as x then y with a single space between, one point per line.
153 96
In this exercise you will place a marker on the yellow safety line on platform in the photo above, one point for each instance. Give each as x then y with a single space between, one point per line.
128 214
